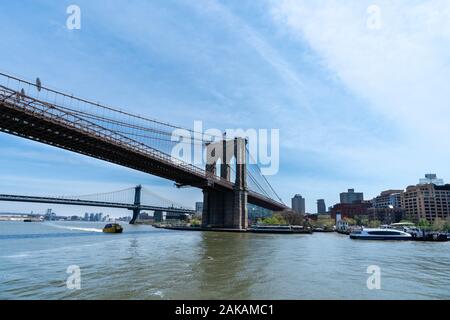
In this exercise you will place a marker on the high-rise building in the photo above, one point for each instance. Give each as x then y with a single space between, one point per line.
351 197
321 207
298 204
431 178
50 215
199 208
426 201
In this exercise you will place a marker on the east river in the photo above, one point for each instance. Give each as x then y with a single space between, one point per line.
149 263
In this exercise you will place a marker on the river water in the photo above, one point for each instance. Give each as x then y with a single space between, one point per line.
149 263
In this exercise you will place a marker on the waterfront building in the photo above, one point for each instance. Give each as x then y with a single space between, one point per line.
351 196
426 201
298 204
321 207
388 199
341 225
386 215
49 215
159 216
125 219
199 208
144 216
350 210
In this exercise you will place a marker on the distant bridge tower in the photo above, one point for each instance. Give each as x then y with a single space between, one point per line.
226 208
137 204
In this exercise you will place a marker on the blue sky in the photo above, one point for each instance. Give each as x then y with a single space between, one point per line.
356 108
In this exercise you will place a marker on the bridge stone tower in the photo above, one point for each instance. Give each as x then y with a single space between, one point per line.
137 204
226 208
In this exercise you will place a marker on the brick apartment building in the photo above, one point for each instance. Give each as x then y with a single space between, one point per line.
426 201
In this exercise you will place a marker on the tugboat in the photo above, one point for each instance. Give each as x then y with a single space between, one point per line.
429 236
423 235
113 228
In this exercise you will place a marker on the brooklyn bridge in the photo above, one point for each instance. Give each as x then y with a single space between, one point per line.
32 111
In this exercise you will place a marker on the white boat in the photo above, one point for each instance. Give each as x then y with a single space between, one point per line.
380 234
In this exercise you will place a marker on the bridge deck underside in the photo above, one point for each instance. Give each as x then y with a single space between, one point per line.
36 126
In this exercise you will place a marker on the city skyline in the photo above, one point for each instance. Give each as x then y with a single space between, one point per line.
80 211
338 120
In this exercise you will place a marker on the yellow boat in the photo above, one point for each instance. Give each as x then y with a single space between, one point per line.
113 228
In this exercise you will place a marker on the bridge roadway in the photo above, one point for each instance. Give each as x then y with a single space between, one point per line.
77 202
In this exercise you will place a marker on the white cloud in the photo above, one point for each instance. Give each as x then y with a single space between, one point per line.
402 70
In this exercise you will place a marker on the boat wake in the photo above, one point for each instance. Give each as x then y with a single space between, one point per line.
85 229
77 228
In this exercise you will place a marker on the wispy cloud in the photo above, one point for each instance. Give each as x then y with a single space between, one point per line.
401 72
255 39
